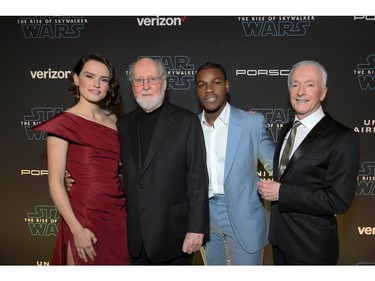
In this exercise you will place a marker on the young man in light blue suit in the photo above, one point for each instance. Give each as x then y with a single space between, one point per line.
235 140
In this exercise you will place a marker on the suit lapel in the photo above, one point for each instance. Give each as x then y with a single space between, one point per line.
234 136
165 120
316 132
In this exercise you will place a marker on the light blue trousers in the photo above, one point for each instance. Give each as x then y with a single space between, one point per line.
223 247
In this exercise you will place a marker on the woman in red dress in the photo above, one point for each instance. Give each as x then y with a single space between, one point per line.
83 140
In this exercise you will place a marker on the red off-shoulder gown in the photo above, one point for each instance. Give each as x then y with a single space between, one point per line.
97 197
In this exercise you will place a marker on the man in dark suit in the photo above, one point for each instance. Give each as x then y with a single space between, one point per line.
165 174
318 182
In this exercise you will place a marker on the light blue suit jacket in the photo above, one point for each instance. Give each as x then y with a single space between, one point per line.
248 141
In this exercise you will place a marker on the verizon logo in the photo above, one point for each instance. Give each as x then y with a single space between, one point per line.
49 74
161 21
366 230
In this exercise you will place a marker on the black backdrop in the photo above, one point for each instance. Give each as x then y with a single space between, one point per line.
257 52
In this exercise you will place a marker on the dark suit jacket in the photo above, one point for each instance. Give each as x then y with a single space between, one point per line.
167 197
319 182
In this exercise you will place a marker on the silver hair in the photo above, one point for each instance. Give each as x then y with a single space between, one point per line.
159 65
322 70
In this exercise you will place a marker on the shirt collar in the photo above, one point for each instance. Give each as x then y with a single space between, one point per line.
310 121
223 117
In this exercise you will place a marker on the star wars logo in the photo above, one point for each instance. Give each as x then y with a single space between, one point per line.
366 179
180 71
42 222
276 119
52 27
271 26
365 73
37 116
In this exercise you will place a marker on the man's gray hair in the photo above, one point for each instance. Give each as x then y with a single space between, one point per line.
322 70
159 65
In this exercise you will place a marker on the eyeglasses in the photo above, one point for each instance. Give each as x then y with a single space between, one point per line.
150 80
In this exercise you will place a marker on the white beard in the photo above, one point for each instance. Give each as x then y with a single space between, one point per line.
151 105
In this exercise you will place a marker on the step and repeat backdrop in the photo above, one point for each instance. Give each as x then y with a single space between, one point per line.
38 52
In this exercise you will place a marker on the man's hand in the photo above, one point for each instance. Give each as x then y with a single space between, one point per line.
192 243
69 181
269 190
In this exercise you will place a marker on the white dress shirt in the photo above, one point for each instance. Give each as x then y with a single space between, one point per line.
306 126
215 138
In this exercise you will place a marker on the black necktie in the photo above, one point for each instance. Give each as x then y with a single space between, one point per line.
288 147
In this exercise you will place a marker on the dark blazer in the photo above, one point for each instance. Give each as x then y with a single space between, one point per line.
167 197
318 183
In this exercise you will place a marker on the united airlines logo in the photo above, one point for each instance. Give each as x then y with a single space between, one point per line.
366 179
42 221
368 127
272 26
52 27
160 21
180 71
37 116
365 73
